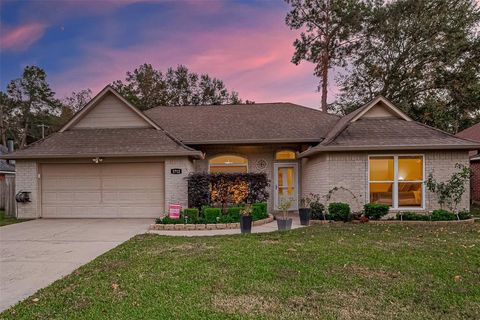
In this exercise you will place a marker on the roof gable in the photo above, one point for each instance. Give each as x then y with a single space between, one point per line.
109 110
380 107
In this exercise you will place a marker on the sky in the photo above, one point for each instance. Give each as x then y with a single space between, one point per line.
88 44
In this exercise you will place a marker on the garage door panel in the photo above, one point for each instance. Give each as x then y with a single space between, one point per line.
130 190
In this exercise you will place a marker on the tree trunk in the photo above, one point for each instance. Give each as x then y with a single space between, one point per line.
324 85
3 130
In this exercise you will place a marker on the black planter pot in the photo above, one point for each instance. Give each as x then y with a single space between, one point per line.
305 214
284 224
246 224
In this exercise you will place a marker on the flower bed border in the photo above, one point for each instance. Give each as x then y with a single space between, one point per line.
210 226
466 221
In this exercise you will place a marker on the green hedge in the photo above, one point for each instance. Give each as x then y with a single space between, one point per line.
192 214
339 211
211 214
412 216
259 211
214 215
375 211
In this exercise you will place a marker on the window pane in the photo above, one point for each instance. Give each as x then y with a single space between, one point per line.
381 193
410 168
285 155
381 169
409 194
228 160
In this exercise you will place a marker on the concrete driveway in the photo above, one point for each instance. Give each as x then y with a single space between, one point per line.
34 254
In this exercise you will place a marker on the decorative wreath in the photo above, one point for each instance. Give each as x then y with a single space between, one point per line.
261 164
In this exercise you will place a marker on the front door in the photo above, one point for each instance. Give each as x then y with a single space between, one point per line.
286 184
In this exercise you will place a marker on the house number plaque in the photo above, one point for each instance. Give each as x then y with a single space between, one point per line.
176 171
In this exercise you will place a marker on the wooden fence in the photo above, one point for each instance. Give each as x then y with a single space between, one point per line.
7 194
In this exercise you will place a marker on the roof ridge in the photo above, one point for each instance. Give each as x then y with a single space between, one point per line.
245 105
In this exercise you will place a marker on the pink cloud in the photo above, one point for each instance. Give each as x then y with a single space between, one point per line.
21 37
254 62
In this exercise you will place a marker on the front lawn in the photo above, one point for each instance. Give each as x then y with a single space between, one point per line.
335 271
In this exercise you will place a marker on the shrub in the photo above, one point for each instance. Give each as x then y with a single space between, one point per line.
226 188
375 211
463 215
211 214
443 215
259 211
234 213
192 214
339 211
168 220
412 216
317 208
227 219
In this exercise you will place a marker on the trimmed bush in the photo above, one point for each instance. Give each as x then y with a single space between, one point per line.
443 215
192 214
259 211
234 213
375 211
463 215
339 211
168 220
318 209
211 214
412 216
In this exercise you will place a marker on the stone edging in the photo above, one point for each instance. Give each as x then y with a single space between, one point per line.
212 226
466 221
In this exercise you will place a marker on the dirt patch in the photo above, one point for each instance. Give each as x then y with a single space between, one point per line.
270 241
247 304
368 273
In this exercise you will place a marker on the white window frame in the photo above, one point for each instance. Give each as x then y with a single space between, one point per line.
396 181
228 165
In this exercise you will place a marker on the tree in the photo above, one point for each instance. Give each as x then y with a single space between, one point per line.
450 193
6 107
330 34
77 100
32 100
146 87
424 56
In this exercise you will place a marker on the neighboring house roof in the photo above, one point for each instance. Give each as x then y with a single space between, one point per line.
105 143
247 123
5 167
356 131
472 133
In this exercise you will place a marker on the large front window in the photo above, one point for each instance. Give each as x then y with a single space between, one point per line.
396 180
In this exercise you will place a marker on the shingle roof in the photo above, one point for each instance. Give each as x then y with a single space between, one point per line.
390 133
103 143
472 133
251 123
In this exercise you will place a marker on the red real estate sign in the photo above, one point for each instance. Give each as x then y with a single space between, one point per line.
174 211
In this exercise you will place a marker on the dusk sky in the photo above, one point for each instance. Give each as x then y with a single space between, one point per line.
88 44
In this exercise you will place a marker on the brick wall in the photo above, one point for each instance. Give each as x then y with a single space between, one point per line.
176 185
26 179
475 181
348 172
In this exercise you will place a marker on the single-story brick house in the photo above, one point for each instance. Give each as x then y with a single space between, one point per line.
473 133
112 160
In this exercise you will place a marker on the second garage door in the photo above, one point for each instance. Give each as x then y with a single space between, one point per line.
123 190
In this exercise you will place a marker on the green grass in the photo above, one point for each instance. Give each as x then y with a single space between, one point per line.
336 271
8 220
475 210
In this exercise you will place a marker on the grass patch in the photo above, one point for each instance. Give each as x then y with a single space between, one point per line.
4 220
335 271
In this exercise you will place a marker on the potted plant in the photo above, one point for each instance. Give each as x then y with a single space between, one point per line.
246 219
305 211
284 222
